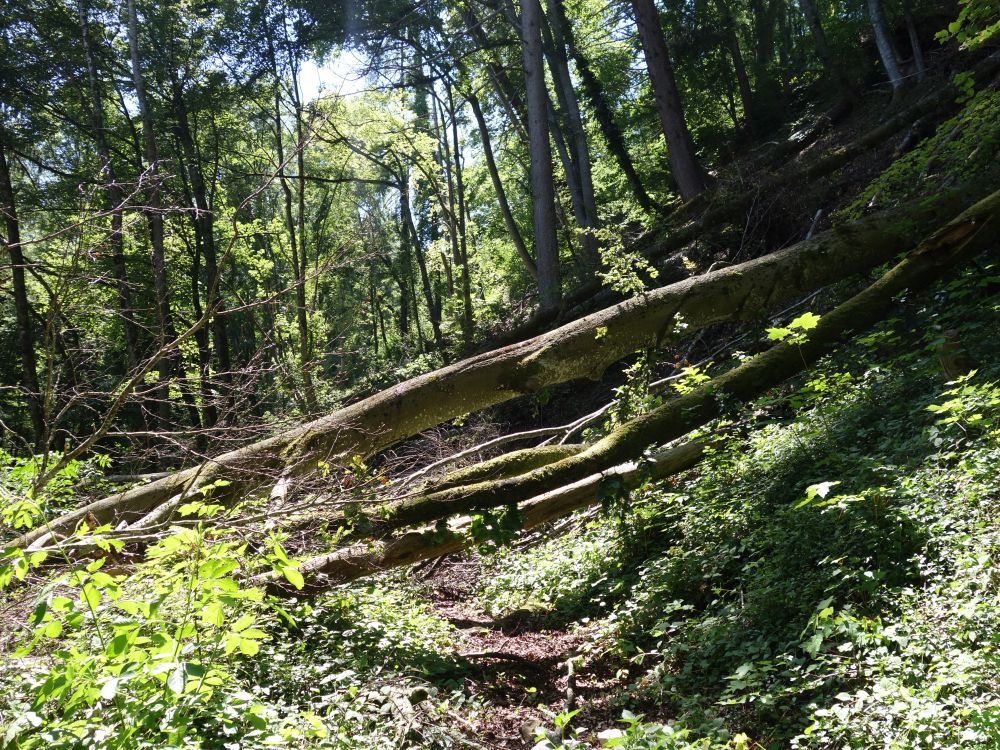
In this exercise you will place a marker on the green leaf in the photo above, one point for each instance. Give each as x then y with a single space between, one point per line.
805 322
213 613
294 577
176 680
813 491
244 622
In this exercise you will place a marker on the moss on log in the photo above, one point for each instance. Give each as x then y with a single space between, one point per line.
349 564
581 349
973 230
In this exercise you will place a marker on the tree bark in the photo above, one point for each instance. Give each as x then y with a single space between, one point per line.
558 488
834 74
739 66
919 65
204 222
587 217
958 241
166 333
468 321
542 189
683 161
502 85
115 196
573 351
295 232
886 47
22 307
602 112
433 305
324 571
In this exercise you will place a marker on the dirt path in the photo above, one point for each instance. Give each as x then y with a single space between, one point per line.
518 663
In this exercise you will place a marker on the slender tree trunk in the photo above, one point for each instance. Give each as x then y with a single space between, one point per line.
22 307
433 305
739 66
210 414
919 66
784 45
498 188
834 73
734 113
502 85
683 162
443 156
767 89
166 332
468 321
886 47
204 221
542 188
602 110
302 313
576 181
407 292
115 197
577 134
295 239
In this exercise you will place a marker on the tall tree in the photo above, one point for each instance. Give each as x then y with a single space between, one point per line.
732 41
683 162
22 306
114 192
919 65
498 188
460 224
586 213
605 117
154 214
886 47
834 72
203 220
542 189
294 227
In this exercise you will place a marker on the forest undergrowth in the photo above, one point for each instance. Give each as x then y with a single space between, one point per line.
826 578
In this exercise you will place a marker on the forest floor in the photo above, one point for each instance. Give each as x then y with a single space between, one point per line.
519 661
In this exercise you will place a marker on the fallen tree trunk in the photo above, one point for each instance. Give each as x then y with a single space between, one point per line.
324 571
583 348
970 232
960 240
